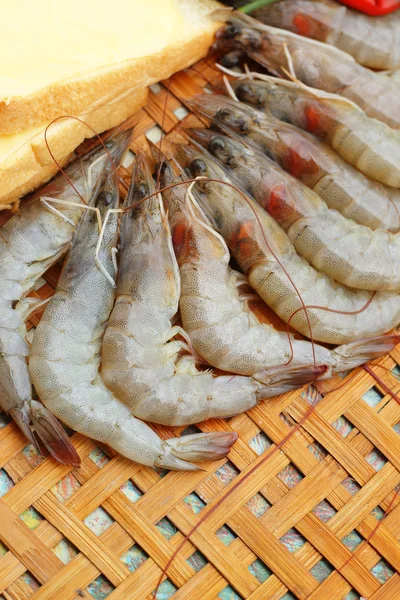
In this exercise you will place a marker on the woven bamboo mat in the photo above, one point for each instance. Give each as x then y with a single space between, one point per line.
299 526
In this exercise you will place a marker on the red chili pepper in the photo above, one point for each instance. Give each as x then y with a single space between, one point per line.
375 8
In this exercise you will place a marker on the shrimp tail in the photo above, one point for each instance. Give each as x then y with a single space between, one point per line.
357 353
199 446
22 417
51 434
289 377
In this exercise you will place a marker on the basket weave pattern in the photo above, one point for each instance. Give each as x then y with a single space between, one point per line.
299 526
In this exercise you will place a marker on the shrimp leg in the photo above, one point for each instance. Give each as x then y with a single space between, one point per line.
65 357
30 242
265 253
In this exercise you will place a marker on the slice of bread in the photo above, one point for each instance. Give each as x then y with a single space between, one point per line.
31 165
88 52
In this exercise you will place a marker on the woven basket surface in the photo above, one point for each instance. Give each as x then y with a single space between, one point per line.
306 520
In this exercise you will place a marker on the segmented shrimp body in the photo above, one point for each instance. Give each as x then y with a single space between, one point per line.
302 155
65 357
30 242
350 253
373 41
265 253
367 144
314 63
142 363
222 329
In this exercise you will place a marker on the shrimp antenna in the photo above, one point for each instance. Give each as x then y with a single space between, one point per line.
56 161
230 89
290 61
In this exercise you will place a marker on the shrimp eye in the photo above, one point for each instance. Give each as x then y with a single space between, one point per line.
224 112
231 31
242 125
108 198
142 190
244 91
162 168
232 59
216 144
198 166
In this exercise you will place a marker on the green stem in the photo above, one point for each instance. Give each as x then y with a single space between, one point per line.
247 8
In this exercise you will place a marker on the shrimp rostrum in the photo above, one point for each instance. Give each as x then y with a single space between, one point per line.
30 242
286 281
367 144
66 349
373 41
314 63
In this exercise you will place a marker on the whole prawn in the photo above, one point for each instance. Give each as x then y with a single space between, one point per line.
30 242
222 329
141 361
281 277
314 63
367 144
313 162
373 41
65 356
351 254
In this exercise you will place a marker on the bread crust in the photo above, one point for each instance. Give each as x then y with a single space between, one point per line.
31 165
73 95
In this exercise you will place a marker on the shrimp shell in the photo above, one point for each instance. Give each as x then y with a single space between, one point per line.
373 41
314 63
262 248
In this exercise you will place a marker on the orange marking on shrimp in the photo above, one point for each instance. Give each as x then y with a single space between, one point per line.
299 159
302 24
182 240
313 118
243 240
279 204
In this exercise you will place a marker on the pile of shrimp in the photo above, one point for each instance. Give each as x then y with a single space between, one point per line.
289 197
297 187
136 339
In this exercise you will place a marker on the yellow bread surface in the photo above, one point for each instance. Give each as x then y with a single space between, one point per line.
56 61
31 164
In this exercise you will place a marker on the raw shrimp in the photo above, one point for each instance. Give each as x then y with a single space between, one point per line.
367 144
30 242
141 362
65 357
373 41
313 162
222 329
350 253
314 63
266 255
